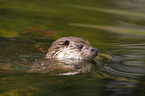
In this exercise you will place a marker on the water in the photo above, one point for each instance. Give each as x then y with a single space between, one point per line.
115 27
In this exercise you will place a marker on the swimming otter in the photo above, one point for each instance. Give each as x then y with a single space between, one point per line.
66 56
71 48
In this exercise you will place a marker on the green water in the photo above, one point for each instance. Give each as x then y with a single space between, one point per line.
115 27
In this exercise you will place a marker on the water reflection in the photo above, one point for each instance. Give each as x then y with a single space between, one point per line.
132 64
117 88
138 90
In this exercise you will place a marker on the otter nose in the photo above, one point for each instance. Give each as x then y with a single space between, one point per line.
94 49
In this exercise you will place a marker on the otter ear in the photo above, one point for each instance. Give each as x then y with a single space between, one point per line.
65 43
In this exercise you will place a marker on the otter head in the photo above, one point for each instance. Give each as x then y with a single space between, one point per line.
71 48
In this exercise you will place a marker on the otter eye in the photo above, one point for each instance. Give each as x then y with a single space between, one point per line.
66 43
80 46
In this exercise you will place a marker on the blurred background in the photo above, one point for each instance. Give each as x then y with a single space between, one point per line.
115 27
91 18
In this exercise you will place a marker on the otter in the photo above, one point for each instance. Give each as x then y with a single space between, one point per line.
67 55
71 48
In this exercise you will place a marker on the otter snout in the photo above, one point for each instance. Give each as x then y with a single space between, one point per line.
94 50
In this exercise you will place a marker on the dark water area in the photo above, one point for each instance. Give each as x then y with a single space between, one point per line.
116 28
